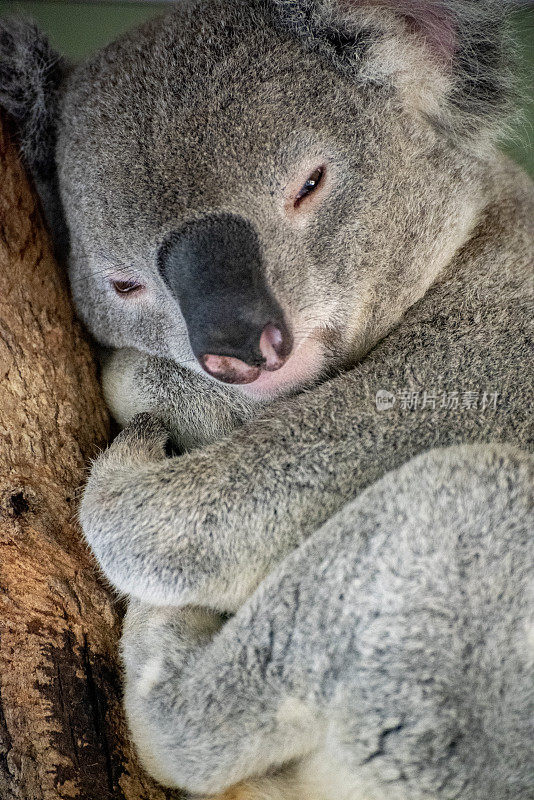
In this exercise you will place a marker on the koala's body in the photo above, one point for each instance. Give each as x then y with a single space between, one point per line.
308 266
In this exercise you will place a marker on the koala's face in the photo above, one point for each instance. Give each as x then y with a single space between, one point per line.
242 206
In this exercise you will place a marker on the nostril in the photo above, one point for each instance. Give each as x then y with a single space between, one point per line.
228 369
273 337
274 347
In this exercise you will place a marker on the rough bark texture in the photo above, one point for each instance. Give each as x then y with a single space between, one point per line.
62 734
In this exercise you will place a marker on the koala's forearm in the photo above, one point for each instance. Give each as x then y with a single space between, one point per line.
206 527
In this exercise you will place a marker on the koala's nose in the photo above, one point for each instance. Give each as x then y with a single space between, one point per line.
236 328
273 349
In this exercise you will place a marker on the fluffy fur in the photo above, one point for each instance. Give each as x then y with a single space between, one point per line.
376 559
31 77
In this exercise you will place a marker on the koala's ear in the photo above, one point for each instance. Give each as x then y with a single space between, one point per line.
30 77
450 58
31 74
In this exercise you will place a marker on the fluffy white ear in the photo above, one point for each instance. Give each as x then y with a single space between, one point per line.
449 58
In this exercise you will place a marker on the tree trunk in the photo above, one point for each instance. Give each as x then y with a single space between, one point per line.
62 733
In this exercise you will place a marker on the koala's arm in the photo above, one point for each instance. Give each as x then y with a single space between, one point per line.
207 526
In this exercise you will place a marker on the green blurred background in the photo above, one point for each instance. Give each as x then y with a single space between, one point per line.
78 28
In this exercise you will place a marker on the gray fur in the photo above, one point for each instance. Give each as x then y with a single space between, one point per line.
383 621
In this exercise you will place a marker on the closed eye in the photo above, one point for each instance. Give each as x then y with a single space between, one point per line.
126 286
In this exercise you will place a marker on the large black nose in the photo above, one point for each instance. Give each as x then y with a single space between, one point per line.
213 266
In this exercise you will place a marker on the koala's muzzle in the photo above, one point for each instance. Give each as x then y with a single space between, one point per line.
213 267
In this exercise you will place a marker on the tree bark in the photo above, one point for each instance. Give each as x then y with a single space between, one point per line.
62 733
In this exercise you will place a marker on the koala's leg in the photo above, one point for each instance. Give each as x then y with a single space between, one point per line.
390 657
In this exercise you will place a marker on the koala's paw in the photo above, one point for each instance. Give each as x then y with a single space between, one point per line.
153 525
30 74
196 410
112 499
159 632
160 649
144 439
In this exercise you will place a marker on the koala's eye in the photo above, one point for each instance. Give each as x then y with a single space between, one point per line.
126 287
310 186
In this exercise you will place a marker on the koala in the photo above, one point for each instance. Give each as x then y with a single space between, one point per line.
308 268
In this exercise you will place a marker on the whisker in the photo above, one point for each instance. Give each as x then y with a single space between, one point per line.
107 272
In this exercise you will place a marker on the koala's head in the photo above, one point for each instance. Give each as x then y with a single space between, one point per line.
261 189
